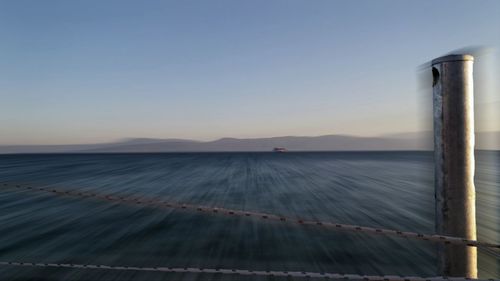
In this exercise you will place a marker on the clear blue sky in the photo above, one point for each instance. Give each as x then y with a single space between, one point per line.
96 71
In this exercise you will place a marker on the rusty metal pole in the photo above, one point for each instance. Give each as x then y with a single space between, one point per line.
454 162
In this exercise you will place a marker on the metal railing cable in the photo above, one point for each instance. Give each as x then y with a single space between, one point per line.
261 216
303 274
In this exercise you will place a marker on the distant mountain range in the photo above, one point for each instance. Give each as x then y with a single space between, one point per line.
404 141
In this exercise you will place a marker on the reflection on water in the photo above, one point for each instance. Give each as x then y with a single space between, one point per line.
386 189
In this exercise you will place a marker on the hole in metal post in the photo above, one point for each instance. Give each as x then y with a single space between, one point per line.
435 76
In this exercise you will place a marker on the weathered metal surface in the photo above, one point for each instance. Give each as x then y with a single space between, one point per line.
454 161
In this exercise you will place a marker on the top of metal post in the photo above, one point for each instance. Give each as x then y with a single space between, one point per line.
457 57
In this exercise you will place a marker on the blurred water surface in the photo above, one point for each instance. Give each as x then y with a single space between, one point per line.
383 189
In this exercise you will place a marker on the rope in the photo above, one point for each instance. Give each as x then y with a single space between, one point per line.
266 217
302 274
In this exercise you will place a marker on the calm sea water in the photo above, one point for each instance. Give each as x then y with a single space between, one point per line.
382 189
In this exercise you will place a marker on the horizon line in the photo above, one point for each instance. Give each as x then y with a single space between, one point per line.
125 139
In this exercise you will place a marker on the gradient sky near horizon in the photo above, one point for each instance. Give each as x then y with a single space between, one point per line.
97 71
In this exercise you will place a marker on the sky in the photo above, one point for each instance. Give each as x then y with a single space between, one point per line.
97 71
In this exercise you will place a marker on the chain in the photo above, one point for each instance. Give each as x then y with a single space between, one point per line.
264 216
302 274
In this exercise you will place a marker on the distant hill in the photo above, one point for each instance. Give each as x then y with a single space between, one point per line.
404 141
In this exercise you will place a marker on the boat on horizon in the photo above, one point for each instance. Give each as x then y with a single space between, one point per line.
280 149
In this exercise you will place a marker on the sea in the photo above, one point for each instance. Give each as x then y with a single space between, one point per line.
393 190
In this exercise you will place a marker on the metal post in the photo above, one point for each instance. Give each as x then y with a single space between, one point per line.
454 162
